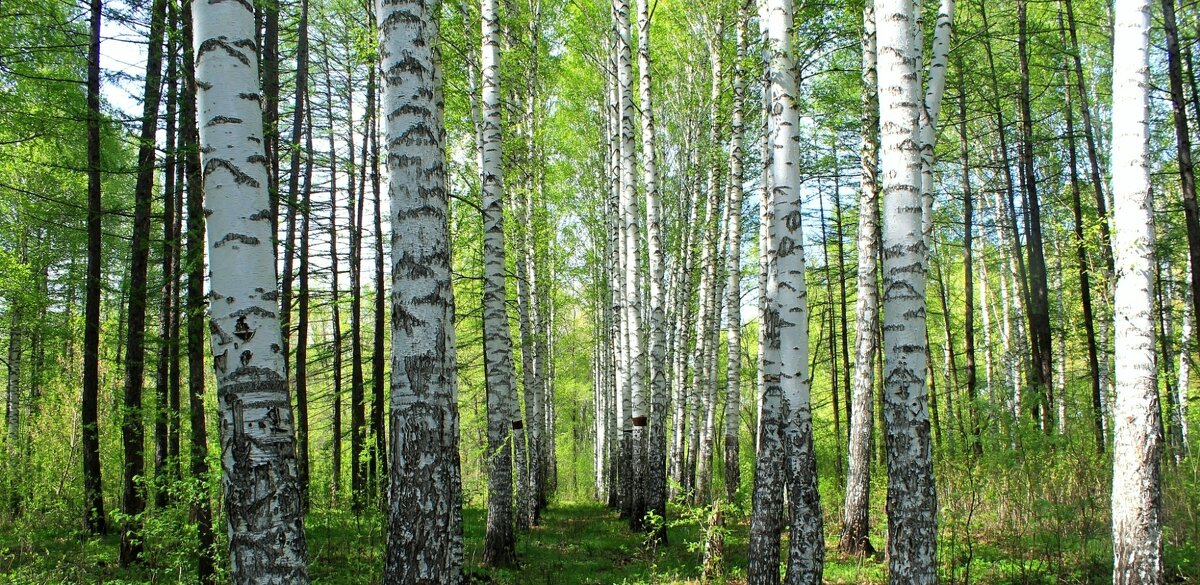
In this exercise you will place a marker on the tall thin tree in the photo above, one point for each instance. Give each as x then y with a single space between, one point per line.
133 431
504 417
1137 442
93 496
912 500
854 537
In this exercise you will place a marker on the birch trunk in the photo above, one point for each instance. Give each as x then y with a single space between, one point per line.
636 358
656 454
1137 444
425 538
787 419
733 266
912 501
262 496
856 526
504 421
703 417
931 111
767 496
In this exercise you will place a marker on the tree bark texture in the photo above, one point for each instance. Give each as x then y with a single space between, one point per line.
262 495
425 538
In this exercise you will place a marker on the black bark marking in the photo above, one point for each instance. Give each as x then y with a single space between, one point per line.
239 177
221 362
215 120
215 329
245 4
242 331
221 43
246 357
248 240
253 310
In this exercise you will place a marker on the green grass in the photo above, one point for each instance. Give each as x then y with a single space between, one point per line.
578 543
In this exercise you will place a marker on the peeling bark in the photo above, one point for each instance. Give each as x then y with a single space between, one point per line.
263 500
425 538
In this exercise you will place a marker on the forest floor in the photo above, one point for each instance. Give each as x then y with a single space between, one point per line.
576 544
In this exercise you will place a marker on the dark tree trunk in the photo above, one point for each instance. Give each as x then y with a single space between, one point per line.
336 479
1085 288
1089 134
198 456
94 520
1039 300
167 304
377 355
358 471
968 268
267 12
1183 150
133 432
299 129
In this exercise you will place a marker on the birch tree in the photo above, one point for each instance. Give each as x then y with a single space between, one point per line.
786 425
425 541
856 513
262 494
733 266
656 460
1137 444
912 501
636 358
503 413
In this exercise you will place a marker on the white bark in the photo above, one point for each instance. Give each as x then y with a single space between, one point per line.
787 419
931 110
1185 362
636 414
855 517
709 322
656 479
505 426
733 267
912 501
425 541
262 495
1137 445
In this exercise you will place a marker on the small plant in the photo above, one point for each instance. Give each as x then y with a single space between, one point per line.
713 532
